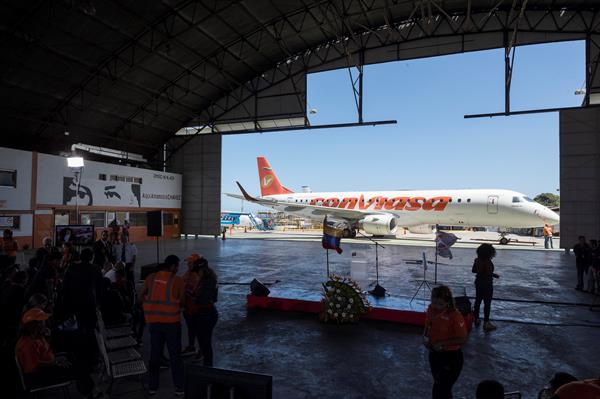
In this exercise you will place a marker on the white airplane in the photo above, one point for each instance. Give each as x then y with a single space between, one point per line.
381 212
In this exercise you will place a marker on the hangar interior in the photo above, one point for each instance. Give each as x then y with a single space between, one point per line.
166 80
159 83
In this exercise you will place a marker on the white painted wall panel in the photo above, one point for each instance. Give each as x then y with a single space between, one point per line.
16 198
57 184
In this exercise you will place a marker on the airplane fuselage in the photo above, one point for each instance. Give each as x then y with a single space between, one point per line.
472 207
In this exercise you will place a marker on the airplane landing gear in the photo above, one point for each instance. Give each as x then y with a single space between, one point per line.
349 233
503 239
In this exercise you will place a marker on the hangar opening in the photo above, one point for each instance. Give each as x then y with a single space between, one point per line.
170 102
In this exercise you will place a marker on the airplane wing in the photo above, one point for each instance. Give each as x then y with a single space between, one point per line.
316 210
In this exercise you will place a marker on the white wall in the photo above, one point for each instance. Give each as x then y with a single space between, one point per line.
16 198
25 226
56 185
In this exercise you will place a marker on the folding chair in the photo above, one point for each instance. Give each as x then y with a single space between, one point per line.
116 338
123 355
63 386
117 369
111 332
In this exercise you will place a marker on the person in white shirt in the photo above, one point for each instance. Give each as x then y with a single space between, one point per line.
111 274
125 252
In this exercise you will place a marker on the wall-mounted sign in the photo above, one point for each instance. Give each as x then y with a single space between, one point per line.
101 184
10 222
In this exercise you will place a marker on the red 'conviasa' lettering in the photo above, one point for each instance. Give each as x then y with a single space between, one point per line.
414 204
395 203
349 202
436 203
380 202
371 201
331 202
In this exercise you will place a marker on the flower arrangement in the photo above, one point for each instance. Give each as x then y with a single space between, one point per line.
343 300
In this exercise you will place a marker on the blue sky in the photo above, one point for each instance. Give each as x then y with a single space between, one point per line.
432 146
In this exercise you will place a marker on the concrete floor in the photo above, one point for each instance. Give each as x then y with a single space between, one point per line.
381 360
466 239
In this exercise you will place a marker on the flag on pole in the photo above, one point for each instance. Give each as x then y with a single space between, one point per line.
443 242
332 234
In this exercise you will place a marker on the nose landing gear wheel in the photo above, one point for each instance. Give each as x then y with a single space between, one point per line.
504 241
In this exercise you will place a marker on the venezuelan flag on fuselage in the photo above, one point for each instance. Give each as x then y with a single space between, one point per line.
332 234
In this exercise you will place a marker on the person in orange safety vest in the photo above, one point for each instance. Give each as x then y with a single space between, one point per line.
162 298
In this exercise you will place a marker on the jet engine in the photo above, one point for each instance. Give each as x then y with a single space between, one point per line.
379 225
421 229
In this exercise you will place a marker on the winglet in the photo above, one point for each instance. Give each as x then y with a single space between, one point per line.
245 193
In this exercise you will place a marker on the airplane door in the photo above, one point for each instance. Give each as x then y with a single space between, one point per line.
492 204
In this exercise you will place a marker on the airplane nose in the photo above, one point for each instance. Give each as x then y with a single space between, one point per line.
552 217
548 216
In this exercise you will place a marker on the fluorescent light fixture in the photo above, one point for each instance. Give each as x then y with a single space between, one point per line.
75 162
244 126
108 152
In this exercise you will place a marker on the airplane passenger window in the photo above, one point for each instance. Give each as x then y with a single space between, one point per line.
459 200
469 200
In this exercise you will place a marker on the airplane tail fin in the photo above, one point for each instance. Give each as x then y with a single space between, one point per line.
269 183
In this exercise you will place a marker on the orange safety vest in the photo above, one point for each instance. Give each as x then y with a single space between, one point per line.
160 305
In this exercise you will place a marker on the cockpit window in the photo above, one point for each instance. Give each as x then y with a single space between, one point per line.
528 199
516 199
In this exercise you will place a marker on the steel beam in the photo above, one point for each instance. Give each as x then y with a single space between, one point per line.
305 127
529 111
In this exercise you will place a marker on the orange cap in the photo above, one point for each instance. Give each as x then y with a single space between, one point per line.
193 257
34 314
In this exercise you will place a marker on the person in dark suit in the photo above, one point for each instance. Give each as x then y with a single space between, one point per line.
81 288
583 260
102 250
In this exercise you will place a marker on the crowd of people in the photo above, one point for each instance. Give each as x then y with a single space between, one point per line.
51 306
50 309
444 334
587 261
